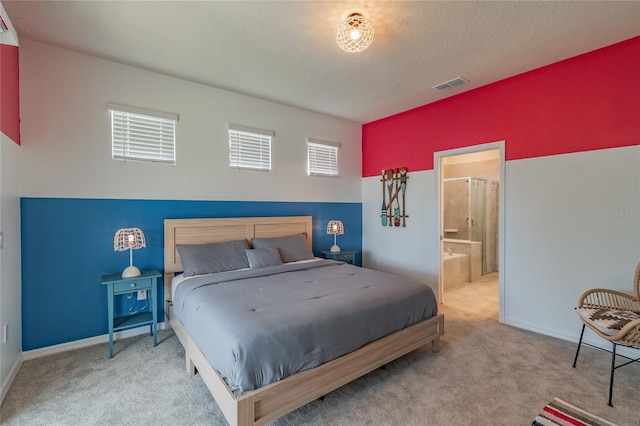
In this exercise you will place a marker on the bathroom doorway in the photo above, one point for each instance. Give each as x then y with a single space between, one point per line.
470 194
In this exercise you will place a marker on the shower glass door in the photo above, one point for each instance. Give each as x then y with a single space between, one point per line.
477 209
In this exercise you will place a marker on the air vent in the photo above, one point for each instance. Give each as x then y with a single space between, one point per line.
451 83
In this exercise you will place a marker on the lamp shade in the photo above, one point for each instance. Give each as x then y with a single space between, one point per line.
335 227
129 239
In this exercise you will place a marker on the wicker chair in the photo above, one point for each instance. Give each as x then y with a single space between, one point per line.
614 316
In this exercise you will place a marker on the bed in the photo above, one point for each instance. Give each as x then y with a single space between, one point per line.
242 401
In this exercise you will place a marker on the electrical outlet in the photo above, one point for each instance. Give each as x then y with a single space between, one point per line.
5 333
142 294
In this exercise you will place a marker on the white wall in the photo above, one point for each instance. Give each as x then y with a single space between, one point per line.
406 251
564 235
572 222
66 136
10 289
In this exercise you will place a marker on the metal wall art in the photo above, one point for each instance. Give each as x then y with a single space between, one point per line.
394 186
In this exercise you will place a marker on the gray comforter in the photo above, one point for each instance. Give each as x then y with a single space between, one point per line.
258 326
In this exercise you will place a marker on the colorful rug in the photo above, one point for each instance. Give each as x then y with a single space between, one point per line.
562 413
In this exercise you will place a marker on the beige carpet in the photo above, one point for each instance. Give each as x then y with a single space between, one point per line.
485 373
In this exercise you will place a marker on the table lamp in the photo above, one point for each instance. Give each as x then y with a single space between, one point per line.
335 227
129 239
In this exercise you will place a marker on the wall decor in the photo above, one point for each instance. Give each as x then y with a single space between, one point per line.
394 186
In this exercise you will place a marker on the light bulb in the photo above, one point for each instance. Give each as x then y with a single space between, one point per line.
355 34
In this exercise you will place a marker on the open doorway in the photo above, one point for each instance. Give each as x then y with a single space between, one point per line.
470 194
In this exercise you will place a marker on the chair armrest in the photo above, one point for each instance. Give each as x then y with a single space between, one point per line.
612 299
629 335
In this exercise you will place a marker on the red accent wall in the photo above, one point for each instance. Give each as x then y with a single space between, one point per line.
588 102
9 92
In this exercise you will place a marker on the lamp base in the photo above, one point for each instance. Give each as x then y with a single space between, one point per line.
335 249
131 271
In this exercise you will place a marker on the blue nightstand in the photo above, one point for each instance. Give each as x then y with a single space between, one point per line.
347 256
117 285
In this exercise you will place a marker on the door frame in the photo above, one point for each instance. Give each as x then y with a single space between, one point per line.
439 226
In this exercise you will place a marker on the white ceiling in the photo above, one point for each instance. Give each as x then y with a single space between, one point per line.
285 51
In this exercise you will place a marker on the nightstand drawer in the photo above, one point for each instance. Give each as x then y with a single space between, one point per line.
348 256
343 256
136 285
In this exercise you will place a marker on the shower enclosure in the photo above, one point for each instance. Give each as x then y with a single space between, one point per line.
471 214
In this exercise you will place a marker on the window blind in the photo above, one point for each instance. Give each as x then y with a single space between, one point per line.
142 135
249 148
322 158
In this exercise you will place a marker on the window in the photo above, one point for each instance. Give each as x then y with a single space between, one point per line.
142 135
322 157
249 148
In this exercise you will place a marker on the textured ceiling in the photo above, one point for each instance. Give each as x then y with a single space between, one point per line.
285 51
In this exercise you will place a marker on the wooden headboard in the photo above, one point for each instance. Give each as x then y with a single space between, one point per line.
202 231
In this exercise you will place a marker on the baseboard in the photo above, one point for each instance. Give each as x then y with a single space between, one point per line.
589 337
11 377
545 331
83 343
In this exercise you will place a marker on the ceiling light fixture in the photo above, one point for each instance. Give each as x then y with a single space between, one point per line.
355 33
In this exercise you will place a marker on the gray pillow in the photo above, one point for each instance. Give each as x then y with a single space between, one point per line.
292 247
261 258
198 259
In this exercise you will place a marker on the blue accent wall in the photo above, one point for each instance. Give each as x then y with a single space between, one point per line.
67 245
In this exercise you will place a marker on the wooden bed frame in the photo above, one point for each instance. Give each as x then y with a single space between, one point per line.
269 402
